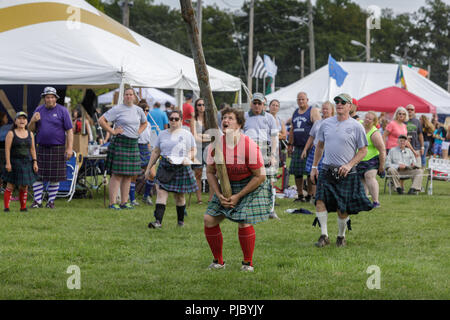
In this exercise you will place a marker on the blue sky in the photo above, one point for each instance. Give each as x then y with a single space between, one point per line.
399 6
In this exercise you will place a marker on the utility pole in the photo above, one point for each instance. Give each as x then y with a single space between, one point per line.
302 64
448 72
312 54
368 26
199 19
250 48
126 13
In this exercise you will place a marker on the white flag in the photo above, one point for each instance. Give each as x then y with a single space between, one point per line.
270 66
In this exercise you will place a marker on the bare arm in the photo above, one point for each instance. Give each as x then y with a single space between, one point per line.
69 146
377 141
142 127
8 143
33 153
315 115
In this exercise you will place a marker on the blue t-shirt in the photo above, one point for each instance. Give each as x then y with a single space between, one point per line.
301 124
159 119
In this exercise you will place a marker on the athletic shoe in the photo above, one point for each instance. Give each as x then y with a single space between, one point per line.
340 242
134 203
308 198
180 224
247 267
413 191
23 210
148 201
215 265
376 204
155 225
6 209
323 241
36 205
50 205
114 206
273 215
126 206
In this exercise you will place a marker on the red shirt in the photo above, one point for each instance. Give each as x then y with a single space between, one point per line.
188 110
241 159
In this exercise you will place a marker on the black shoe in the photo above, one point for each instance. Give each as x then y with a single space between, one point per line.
154 225
6 209
323 241
340 242
413 191
400 190
300 199
23 210
308 198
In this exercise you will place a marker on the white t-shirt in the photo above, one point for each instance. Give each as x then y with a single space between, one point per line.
175 144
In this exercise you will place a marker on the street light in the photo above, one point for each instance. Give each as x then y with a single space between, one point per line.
359 44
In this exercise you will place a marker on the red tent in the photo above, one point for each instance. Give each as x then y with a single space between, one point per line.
388 99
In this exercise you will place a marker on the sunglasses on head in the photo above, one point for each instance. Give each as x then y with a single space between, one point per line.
339 101
174 119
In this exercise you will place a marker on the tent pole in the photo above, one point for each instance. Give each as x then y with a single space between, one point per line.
25 99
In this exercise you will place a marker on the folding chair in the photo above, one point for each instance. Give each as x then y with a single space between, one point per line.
439 170
67 188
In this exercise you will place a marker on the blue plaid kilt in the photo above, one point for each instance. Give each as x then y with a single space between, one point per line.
297 167
144 154
51 161
365 166
253 208
183 181
347 196
310 160
22 173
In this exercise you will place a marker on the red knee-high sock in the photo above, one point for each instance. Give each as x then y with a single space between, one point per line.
23 195
7 198
247 240
215 241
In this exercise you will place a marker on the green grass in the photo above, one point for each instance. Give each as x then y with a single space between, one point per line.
120 258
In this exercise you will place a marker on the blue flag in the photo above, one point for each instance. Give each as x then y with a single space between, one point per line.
336 72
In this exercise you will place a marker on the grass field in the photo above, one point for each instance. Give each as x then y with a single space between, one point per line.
120 258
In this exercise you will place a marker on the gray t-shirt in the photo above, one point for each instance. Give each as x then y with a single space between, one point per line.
260 127
129 118
342 140
175 144
414 128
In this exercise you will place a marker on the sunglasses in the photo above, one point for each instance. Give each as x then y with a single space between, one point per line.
201 105
410 109
174 119
146 110
402 114
339 101
257 102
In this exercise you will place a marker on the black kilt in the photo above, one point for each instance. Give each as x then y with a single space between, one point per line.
52 163
22 173
347 195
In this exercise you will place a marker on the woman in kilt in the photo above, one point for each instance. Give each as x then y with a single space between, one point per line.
251 198
21 165
122 161
373 162
176 147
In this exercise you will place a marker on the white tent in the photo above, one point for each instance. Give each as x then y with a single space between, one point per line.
152 95
363 78
70 42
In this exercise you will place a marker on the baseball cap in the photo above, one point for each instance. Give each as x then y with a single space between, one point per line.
258 96
402 136
21 114
345 97
49 90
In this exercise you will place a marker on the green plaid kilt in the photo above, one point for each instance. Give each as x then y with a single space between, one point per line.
297 167
253 208
123 157
347 196
22 173
182 182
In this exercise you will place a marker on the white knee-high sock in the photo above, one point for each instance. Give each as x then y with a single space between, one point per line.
52 191
342 225
323 217
38 188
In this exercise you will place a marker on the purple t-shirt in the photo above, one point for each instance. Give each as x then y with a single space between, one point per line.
51 129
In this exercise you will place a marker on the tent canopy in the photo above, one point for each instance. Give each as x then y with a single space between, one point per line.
70 42
387 100
363 78
150 94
